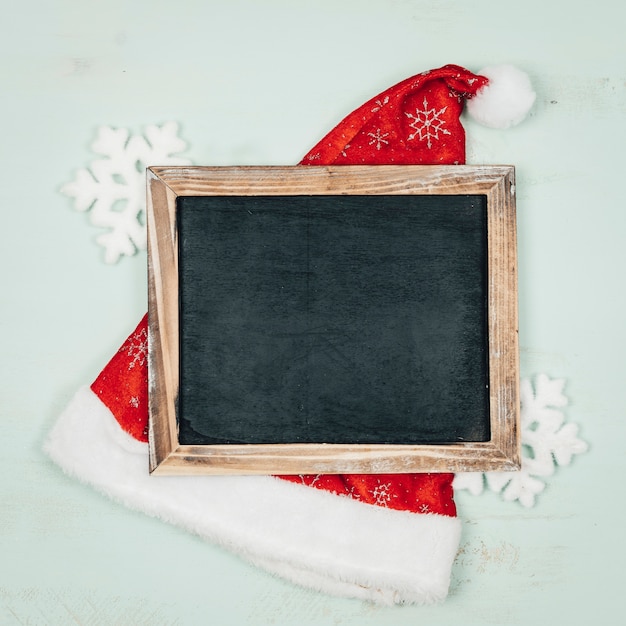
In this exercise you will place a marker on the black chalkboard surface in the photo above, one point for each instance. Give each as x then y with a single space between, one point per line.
332 319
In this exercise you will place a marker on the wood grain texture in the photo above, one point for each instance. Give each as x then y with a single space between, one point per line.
167 184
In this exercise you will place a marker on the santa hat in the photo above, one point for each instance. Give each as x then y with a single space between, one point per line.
384 538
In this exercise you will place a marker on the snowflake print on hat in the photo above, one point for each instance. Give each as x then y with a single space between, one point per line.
427 123
121 385
378 138
112 189
137 349
401 492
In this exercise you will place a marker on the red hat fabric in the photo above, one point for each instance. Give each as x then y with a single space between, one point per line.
416 122
384 538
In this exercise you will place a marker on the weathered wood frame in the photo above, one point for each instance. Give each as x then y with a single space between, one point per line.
167 456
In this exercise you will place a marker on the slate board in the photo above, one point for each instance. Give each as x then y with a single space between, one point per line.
333 319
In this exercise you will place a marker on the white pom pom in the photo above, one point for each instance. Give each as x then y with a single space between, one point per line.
505 100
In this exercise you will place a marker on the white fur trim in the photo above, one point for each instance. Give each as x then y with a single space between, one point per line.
311 537
505 100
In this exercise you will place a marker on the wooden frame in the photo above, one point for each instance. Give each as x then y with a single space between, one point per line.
166 184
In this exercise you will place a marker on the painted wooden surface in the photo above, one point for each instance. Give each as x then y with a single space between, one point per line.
259 83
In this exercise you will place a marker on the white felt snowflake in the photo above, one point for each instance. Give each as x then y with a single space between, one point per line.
113 188
547 442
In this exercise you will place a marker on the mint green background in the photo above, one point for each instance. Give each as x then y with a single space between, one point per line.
260 83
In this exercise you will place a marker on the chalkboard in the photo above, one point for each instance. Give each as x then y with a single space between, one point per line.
319 320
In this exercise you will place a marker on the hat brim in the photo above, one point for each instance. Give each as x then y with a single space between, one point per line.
311 537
